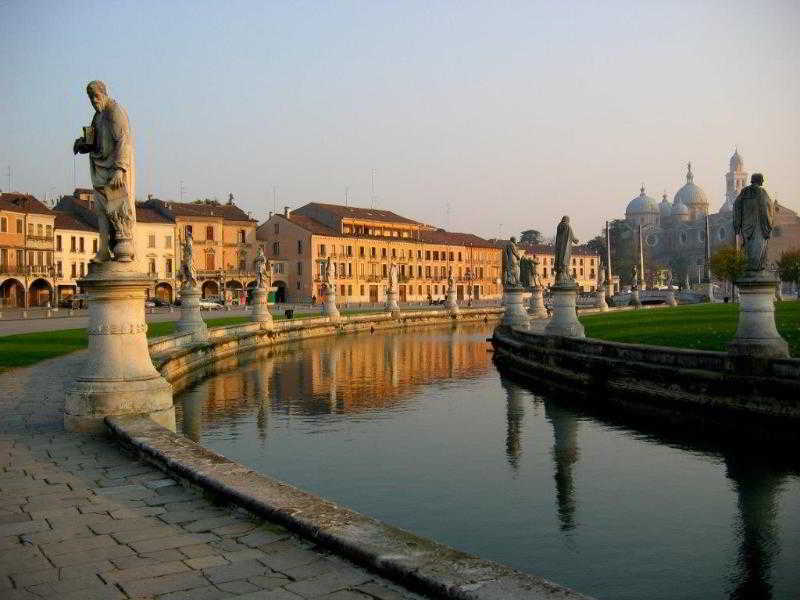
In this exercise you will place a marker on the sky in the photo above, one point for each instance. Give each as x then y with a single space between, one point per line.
484 117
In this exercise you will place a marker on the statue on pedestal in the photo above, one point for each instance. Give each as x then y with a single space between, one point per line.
263 271
450 281
328 274
669 279
109 144
187 274
635 277
565 238
511 258
753 219
393 270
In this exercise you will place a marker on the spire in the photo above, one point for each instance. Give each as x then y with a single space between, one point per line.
689 174
641 189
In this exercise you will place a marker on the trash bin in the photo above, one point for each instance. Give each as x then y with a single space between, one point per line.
289 312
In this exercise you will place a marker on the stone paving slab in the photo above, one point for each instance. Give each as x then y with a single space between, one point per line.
81 519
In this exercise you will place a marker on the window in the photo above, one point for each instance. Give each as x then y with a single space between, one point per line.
419 272
419 254
168 242
40 230
277 229
188 230
427 254
361 254
169 267
152 266
451 256
427 272
242 236
361 290
372 253
340 272
394 253
349 269
299 268
58 269
3 225
19 225
58 243
384 269
94 246
435 255
299 246
459 256
83 269
72 243
322 249
349 290
349 251
210 232
343 288
81 244
74 270
30 229
276 248
383 252
48 231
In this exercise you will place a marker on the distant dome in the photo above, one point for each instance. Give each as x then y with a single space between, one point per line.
691 194
737 164
664 206
642 204
679 209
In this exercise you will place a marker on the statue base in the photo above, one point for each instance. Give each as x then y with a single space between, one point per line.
670 299
450 303
708 290
635 301
515 314
600 299
391 303
537 311
118 377
191 320
564 321
756 334
329 305
261 312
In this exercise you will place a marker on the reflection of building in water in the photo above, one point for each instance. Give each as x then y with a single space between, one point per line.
757 490
349 374
515 413
565 455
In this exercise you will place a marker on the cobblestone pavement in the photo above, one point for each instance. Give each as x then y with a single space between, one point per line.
81 519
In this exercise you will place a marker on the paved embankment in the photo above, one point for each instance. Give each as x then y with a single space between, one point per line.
81 519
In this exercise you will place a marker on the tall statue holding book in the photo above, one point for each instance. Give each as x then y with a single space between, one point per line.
187 274
109 143
565 238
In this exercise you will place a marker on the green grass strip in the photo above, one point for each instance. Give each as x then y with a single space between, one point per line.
695 326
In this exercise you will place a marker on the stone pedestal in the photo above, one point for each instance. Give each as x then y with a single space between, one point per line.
118 376
708 290
635 301
670 299
600 299
515 314
450 303
329 304
391 303
261 312
191 320
756 334
564 321
538 311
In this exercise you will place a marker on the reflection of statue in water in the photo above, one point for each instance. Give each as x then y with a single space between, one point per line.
515 413
109 144
565 455
753 218
263 271
511 257
565 238
187 275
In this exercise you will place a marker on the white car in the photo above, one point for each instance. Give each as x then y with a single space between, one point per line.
208 305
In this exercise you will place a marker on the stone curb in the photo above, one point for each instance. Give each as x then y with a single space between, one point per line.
415 562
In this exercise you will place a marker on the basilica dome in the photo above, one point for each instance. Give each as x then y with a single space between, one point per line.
679 210
641 205
692 196
664 206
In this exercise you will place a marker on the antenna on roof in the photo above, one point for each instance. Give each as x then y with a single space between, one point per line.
274 199
372 193
8 172
447 214
347 195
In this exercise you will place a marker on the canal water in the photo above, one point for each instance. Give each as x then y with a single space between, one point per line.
420 430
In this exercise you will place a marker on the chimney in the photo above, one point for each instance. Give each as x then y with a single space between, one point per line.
286 212
270 216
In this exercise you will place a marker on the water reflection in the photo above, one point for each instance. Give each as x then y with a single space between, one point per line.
398 421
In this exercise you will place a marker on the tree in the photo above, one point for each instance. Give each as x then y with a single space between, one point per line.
728 263
789 267
531 236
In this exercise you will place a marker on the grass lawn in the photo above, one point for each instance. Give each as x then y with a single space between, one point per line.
698 326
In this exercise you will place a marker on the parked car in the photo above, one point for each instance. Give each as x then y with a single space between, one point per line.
149 304
209 305
160 302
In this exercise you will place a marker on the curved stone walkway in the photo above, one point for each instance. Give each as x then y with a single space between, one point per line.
80 519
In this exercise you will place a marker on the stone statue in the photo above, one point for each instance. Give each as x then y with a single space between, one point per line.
753 218
565 238
511 257
601 277
525 275
450 281
686 284
635 277
328 272
669 279
187 274
263 271
393 269
112 166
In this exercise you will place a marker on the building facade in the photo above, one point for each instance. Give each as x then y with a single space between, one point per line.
585 265
75 245
674 232
363 243
27 272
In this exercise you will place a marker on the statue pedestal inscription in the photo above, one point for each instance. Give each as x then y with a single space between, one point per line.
191 320
538 311
118 376
391 303
515 314
261 312
564 321
756 334
329 304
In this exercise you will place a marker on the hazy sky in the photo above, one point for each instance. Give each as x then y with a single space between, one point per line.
513 113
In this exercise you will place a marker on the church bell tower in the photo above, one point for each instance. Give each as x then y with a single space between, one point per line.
735 180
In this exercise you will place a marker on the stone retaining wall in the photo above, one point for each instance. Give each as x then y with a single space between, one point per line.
672 378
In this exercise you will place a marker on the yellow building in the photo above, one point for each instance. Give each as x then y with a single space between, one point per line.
585 265
75 245
363 243
26 251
